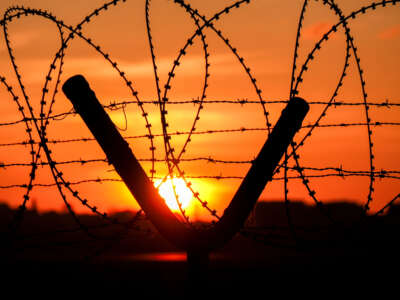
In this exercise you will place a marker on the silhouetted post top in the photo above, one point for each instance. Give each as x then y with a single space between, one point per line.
127 166
74 88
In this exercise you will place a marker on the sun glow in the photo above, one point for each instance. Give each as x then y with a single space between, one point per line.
174 188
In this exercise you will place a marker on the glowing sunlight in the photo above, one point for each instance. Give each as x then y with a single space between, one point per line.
182 192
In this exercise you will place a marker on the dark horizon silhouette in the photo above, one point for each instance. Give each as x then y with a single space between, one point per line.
268 216
51 248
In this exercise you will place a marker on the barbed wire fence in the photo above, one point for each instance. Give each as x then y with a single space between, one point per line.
40 153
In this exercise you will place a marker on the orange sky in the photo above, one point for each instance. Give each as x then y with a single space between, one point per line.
264 33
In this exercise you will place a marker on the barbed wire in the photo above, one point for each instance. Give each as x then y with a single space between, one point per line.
42 156
119 104
178 133
340 173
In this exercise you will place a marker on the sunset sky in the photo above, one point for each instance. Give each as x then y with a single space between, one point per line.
264 34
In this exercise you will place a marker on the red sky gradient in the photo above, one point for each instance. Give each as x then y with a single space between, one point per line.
264 33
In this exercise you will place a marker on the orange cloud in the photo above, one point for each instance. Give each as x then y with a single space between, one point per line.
390 33
316 31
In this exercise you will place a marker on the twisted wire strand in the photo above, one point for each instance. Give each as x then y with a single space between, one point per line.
117 104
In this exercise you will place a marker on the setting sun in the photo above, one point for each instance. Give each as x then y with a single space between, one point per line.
182 192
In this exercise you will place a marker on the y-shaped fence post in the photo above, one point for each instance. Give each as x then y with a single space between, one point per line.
197 243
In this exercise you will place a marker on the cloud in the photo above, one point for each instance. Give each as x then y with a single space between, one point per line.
316 31
34 70
190 66
22 39
390 33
